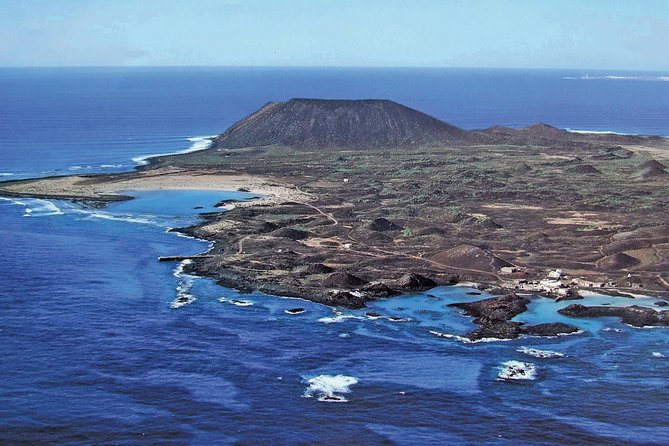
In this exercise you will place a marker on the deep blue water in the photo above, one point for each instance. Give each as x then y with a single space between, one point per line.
92 350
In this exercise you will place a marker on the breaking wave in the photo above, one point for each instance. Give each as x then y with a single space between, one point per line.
184 286
517 370
540 353
465 340
328 388
338 318
199 143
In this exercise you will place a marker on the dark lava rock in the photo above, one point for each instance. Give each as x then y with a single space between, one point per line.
651 169
617 261
415 282
585 169
379 289
291 233
494 316
343 279
295 310
661 303
222 203
571 294
323 123
633 315
549 329
316 268
344 299
382 224
243 189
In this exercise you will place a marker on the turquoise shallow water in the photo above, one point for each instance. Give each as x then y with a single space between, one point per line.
92 351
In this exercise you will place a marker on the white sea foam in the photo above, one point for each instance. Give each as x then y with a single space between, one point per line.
13 201
328 388
658 355
338 318
517 370
117 217
600 132
39 208
464 339
6 174
237 302
540 353
184 285
199 143
622 78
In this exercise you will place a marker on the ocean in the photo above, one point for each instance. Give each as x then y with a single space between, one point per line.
102 344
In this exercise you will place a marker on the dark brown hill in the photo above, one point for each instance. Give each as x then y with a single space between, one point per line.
322 123
651 169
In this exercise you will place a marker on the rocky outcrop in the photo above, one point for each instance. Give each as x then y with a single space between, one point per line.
585 169
291 233
343 279
650 169
379 289
549 329
316 268
633 315
345 299
383 224
414 282
493 316
470 257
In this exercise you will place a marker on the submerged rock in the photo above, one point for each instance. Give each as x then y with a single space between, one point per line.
633 315
294 311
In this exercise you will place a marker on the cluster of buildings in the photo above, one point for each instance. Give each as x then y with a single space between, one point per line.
558 284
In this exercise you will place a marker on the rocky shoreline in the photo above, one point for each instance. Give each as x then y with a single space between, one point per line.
379 200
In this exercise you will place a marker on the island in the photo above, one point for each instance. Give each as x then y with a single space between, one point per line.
366 199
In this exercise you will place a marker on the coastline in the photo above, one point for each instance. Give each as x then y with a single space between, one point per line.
102 188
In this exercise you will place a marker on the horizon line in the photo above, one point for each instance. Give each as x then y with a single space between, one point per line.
408 67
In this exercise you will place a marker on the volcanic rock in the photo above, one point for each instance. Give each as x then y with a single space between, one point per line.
383 224
617 261
341 124
316 268
415 282
343 279
633 315
291 233
549 329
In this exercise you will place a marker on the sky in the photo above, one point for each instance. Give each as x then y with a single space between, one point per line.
593 34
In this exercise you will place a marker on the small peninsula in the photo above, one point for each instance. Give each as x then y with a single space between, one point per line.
364 199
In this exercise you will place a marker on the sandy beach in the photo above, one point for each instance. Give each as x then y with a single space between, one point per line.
118 187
